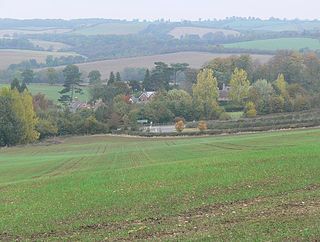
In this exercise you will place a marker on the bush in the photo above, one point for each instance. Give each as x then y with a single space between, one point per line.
179 126
46 128
250 110
224 116
202 126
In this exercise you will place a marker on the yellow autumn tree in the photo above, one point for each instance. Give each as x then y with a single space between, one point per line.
281 86
23 118
205 93
239 86
30 118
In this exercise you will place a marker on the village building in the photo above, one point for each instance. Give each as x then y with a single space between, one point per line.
146 96
224 94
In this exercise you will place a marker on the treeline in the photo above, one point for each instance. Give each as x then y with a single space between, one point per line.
298 68
51 61
49 75
101 47
17 43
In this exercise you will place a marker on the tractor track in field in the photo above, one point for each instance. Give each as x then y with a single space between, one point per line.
195 220
62 167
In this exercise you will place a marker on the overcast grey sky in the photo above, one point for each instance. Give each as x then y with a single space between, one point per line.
150 9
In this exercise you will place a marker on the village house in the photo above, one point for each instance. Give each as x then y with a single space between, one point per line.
224 94
79 105
146 96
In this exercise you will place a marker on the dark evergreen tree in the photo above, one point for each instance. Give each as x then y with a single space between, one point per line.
72 84
146 84
112 79
118 77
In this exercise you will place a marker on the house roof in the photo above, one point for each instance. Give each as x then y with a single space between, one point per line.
147 94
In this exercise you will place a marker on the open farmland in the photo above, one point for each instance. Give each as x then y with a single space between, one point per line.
22 31
50 45
8 57
194 59
277 44
112 29
183 31
263 186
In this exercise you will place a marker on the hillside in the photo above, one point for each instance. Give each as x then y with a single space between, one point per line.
194 59
250 187
278 44
112 29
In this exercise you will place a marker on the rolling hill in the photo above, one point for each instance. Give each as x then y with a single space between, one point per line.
278 44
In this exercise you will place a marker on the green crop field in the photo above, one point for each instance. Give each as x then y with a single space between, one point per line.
112 29
253 187
278 44
52 91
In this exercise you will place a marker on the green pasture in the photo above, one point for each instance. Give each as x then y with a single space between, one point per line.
52 91
277 44
254 187
112 29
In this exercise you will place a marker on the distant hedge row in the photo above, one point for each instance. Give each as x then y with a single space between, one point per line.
263 123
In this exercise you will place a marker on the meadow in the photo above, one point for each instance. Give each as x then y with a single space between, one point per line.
277 44
249 187
8 56
112 29
52 91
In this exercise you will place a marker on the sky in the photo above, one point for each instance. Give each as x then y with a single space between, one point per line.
166 9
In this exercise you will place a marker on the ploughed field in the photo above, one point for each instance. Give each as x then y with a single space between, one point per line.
263 186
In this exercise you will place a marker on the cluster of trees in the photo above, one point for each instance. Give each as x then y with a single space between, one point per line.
17 117
51 61
276 97
299 68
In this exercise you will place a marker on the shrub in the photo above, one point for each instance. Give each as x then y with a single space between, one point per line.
224 116
179 126
202 126
250 110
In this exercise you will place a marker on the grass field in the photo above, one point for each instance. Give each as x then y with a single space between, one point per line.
8 56
278 44
183 31
52 91
256 187
113 29
194 59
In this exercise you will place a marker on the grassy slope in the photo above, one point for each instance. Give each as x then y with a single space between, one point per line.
52 92
262 186
112 29
276 44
